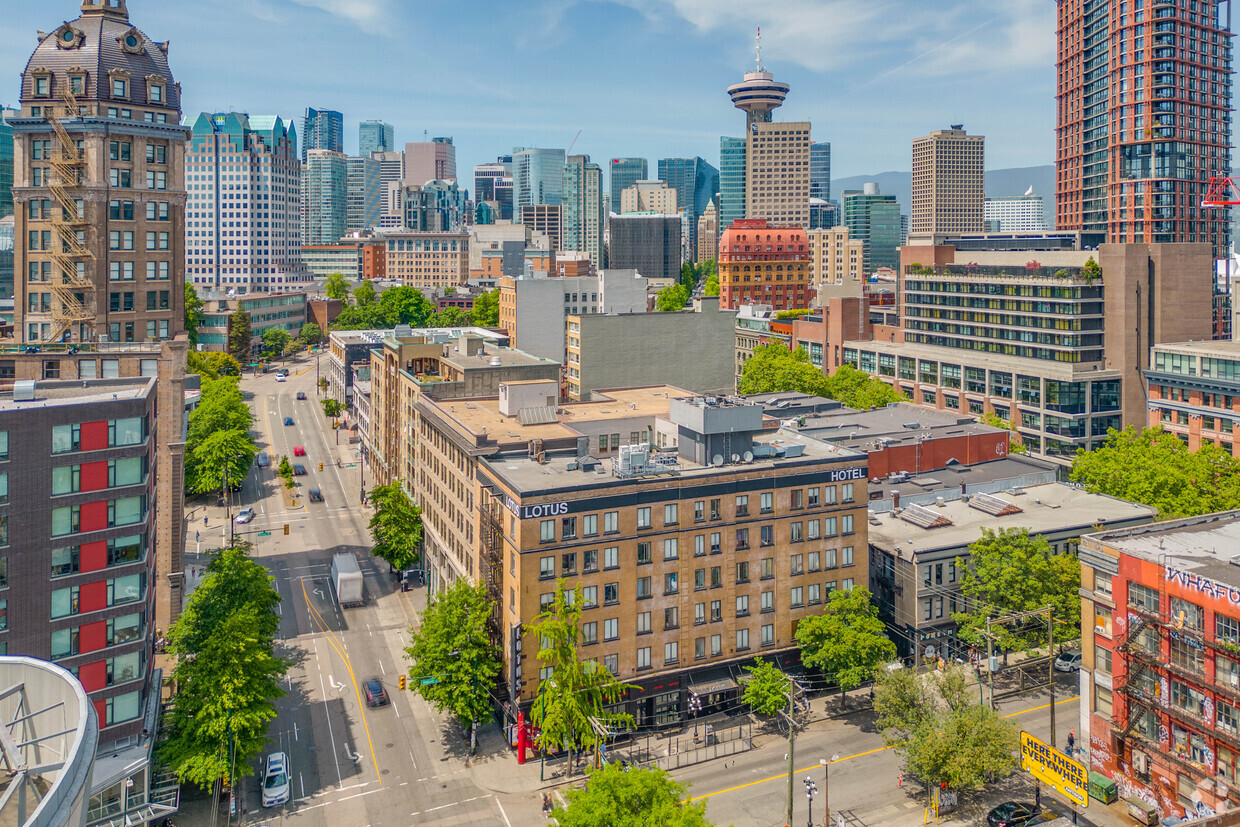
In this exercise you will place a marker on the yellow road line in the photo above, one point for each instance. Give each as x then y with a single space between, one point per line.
332 641
784 776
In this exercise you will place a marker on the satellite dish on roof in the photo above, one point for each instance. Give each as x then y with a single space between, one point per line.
717 460
748 456
736 457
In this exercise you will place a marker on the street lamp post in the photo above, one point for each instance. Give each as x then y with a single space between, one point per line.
826 787
695 707
810 789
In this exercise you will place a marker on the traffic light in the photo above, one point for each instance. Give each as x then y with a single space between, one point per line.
402 683
320 466
286 529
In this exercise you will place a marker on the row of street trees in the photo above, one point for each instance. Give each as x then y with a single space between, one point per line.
364 309
773 369
219 447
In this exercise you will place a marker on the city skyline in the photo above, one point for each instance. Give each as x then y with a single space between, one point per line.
869 86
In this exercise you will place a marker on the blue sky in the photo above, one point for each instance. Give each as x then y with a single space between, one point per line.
637 77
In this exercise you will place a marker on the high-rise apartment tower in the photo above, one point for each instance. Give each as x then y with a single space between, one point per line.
321 129
949 168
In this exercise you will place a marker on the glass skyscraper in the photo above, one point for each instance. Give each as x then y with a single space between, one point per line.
6 163
324 193
731 181
622 173
695 182
537 177
582 220
364 197
820 170
874 219
322 129
375 136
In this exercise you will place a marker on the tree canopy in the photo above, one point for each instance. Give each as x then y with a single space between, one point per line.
336 287
395 527
194 314
275 340
210 364
847 641
227 674
767 689
454 646
364 293
403 304
1010 571
1154 467
671 298
633 798
240 335
486 309
219 447
773 368
310 333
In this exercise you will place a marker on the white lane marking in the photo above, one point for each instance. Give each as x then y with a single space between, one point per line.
381 669
303 784
323 689
500 804
296 735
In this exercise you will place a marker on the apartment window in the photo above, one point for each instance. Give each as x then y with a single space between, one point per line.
742 572
589 597
66 479
611 628
119 87
811 494
815 593
767 502
1143 597
846 492
699 648
125 550
611 557
716 611
671 618
742 605
1187 656
671 652
670 513
815 561
794 532
798 597
699 511
767 534
568 528
699 579
671 549
643 588
589 525
716 645
716 542
846 557
716 577
1192 615
716 511
798 566
846 584
742 639
699 614
67 520
1226 672
65 561
568 564
120 151
830 558
643 623
1187 698
742 538
643 657
611 593
1102 584
589 633
546 531
545 600
814 529
612 663
742 505
65 643
671 583
699 545
829 527
589 560
768 568
643 517
643 554
1102 702
611 522
546 567
798 498
65 602
1102 659
846 524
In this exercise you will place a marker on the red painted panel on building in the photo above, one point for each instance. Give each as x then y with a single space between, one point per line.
94 435
94 476
101 711
93 636
93 596
95 515
93 556
93 675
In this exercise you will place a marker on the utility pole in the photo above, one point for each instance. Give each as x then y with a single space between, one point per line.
792 737
990 662
1050 668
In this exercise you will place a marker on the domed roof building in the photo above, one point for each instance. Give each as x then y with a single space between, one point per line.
99 135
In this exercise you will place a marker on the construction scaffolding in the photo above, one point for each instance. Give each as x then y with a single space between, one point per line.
72 287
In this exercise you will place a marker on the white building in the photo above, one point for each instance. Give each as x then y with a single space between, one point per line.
243 217
542 304
1026 214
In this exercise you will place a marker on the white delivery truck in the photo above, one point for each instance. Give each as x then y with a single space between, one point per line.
347 580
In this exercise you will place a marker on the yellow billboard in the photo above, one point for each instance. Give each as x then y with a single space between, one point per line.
1052 767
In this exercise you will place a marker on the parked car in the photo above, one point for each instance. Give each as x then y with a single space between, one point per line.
299 450
276 780
1068 661
316 496
1011 814
301 396
288 420
299 470
264 459
376 695
245 515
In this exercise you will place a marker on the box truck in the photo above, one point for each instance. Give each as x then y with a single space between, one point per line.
347 580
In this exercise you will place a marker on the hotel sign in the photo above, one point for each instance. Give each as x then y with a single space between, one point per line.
1051 766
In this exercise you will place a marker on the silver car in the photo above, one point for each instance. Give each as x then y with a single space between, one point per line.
244 516
1068 661
276 780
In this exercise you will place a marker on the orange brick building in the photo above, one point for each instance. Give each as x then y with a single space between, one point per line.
761 263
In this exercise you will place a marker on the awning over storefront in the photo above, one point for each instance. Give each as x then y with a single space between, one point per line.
712 682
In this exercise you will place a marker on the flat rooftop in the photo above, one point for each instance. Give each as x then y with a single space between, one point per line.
529 477
1207 546
1226 349
436 335
899 424
56 394
507 356
1049 508
1011 467
1068 371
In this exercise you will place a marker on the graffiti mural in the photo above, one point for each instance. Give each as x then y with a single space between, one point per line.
1205 585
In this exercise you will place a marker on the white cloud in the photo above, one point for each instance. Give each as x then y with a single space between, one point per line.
371 16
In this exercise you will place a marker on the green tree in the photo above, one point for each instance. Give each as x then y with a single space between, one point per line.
577 694
221 407
767 689
395 527
670 298
454 646
275 339
859 390
712 285
222 458
846 641
1154 467
1015 444
336 287
285 470
486 309
1009 571
227 674
940 734
323 383
194 314
212 364
774 368
310 333
364 293
789 315
449 317
332 408
633 798
240 335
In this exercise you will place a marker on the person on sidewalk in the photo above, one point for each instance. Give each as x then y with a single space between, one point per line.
1071 741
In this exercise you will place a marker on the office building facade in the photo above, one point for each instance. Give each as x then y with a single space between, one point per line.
820 170
433 160
708 234
6 162
547 219
537 178
763 263
243 222
321 129
777 173
649 196
1143 121
732 165
119 151
647 242
363 197
623 173
583 208
1026 214
324 197
427 260
375 136
874 220
696 183
493 187
1194 392
836 263
949 168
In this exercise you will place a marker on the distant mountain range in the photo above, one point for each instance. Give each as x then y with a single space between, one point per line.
1000 183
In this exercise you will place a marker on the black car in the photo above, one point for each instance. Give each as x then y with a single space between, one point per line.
301 396
1011 814
316 496
299 470
376 695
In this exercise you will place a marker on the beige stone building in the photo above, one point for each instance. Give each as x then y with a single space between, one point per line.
836 263
649 196
777 172
949 169
708 234
428 259
99 185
